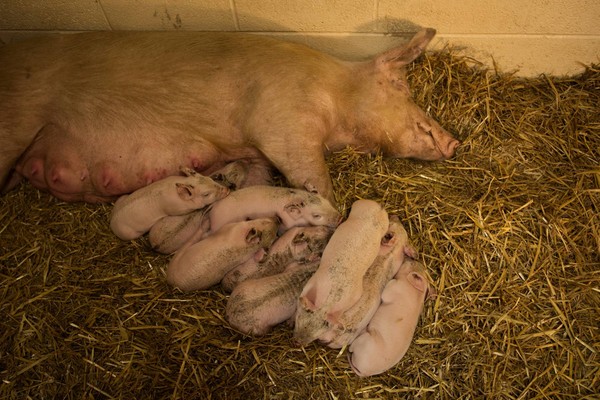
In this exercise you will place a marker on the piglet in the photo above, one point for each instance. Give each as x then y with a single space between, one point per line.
294 207
395 245
257 305
338 283
134 214
302 244
203 264
389 333
171 232
233 175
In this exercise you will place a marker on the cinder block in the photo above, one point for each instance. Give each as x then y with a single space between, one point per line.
52 15
572 17
213 15
306 16
529 56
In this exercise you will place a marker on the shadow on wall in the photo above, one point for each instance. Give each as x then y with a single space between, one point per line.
364 42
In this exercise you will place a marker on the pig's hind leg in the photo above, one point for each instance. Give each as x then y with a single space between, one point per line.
16 135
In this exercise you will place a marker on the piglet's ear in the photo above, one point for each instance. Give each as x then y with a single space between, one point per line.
188 171
418 281
310 187
294 210
253 236
300 238
184 191
388 239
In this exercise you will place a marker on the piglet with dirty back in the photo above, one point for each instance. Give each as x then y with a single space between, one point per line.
300 244
293 207
338 283
203 264
395 247
92 116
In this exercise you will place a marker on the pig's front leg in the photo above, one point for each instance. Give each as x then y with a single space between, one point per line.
302 163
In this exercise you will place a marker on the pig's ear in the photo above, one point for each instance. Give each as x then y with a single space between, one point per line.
300 238
410 251
388 239
294 209
188 171
253 236
431 293
260 256
310 187
184 191
308 297
392 60
418 281
405 54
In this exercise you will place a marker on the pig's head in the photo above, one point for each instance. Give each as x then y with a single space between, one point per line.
309 242
387 116
312 209
200 191
232 175
261 232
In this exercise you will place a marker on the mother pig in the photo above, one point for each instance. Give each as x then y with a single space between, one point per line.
95 115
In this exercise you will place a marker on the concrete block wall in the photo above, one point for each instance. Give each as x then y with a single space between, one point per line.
533 36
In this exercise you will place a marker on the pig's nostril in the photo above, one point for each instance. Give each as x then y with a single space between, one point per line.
453 145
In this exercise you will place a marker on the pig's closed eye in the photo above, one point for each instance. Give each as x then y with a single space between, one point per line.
205 194
426 129
317 216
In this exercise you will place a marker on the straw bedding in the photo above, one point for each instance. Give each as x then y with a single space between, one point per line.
509 231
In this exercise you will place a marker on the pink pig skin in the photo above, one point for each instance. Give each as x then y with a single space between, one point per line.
294 207
338 283
203 264
170 233
390 331
201 99
134 214
394 247
257 305
302 244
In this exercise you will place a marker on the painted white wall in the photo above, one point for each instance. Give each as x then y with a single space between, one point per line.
534 36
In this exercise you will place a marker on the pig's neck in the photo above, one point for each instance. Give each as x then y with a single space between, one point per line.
357 125
361 132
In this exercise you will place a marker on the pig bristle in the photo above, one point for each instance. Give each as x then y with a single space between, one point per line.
509 231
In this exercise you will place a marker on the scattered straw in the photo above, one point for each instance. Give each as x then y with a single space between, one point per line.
509 231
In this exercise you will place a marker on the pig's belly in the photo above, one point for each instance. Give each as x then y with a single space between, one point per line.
99 166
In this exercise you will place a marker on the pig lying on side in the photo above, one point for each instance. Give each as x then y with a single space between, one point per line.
389 333
203 264
338 283
134 214
257 305
170 233
92 116
301 244
394 247
294 207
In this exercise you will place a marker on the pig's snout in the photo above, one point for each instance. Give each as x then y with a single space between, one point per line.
444 142
447 144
